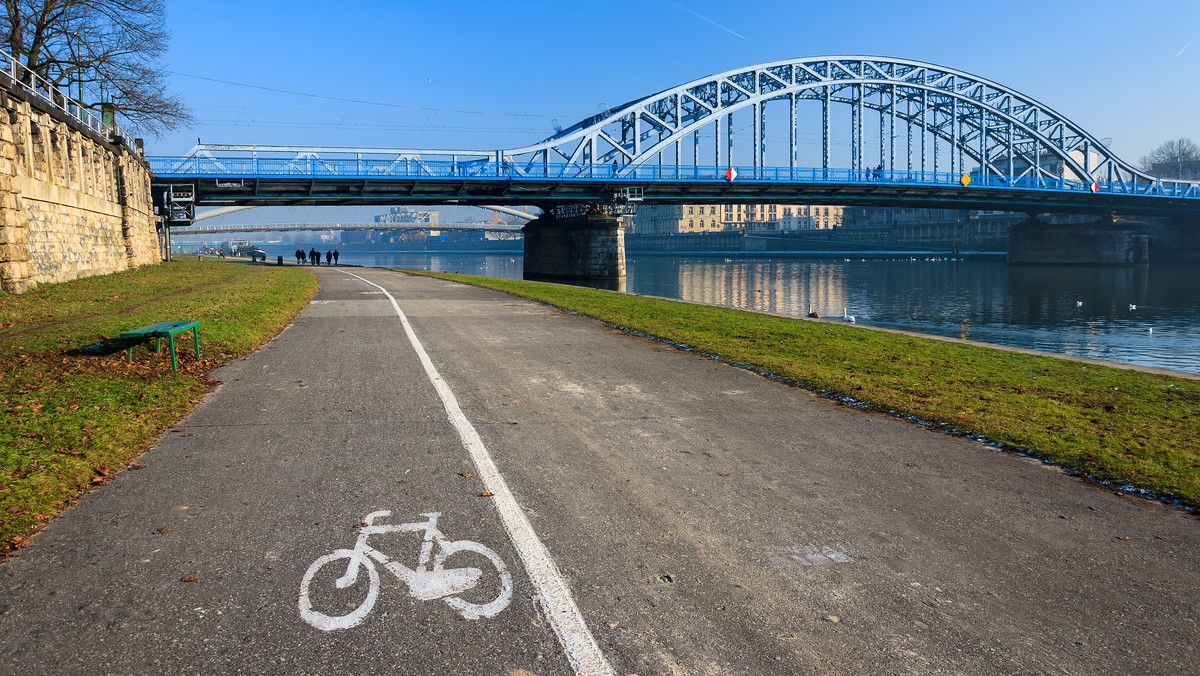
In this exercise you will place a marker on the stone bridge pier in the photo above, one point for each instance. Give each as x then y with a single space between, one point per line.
1178 241
1106 241
587 249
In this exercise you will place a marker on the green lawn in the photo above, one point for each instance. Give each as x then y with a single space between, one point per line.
1126 426
69 419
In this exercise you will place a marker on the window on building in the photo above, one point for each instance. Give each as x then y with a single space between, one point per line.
691 210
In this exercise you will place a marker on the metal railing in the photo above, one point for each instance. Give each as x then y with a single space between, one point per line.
50 93
202 166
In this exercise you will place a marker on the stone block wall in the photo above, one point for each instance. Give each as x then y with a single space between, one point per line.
587 248
72 204
1103 242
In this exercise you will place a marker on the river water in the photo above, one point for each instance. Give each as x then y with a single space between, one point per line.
1146 315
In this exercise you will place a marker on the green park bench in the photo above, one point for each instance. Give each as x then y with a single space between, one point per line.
163 330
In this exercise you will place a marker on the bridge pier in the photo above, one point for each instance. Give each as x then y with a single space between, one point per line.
1176 241
1106 241
588 249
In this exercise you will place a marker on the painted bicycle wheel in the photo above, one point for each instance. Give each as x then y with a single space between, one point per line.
335 593
468 609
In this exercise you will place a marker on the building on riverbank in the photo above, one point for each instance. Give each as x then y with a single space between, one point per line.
671 219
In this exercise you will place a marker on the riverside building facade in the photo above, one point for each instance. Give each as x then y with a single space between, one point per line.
666 219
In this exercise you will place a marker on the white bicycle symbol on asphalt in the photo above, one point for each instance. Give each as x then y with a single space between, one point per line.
424 583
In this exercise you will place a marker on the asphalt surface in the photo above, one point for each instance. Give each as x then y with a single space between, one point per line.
704 520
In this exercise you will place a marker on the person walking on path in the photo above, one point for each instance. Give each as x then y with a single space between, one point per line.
314 258
299 256
335 256
328 258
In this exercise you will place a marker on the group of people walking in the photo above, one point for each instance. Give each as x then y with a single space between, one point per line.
314 257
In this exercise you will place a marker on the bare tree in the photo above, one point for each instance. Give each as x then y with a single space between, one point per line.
1166 161
102 51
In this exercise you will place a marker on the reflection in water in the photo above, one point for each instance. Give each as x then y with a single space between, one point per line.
1081 311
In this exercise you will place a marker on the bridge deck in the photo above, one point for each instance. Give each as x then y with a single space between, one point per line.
277 182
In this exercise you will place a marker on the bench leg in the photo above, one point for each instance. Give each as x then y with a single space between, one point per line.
174 362
196 337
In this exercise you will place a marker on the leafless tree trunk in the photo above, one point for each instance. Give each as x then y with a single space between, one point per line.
99 51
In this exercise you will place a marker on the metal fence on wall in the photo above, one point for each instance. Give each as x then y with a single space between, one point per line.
50 93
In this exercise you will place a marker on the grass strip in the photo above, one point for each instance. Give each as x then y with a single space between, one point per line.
71 418
1127 427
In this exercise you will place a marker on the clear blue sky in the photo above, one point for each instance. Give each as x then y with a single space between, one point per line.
486 74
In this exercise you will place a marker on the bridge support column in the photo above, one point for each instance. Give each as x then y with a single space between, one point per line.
1104 242
588 249
1176 241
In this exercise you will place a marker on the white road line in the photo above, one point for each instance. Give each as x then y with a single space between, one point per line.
562 613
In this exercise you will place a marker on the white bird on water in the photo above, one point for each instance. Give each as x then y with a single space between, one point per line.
846 316
1078 303
1132 306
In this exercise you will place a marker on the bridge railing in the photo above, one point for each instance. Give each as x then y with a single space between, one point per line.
235 168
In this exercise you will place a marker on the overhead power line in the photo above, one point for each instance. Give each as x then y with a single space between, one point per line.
347 100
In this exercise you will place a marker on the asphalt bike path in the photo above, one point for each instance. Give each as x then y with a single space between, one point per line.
654 512
195 563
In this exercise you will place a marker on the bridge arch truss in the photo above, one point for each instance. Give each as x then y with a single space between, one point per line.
930 119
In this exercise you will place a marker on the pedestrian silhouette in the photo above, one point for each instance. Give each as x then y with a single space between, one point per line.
328 257
335 256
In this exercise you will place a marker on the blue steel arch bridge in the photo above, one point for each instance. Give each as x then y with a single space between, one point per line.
841 130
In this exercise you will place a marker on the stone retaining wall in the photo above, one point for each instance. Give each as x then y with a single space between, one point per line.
72 204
